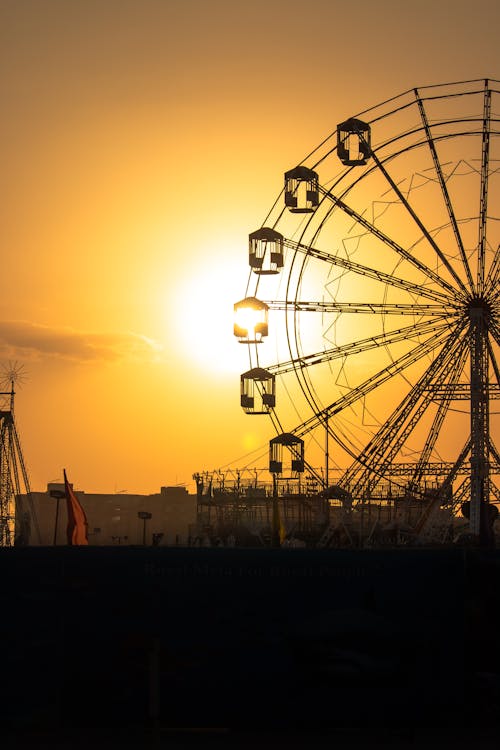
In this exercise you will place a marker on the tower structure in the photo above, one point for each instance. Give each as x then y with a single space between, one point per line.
16 519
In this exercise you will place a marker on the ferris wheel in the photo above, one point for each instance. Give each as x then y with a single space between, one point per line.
372 313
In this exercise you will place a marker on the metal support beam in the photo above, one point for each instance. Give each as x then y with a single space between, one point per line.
479 414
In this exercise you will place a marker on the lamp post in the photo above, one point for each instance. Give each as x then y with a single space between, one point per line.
144 516
57 495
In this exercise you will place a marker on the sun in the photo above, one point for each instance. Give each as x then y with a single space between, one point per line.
203 310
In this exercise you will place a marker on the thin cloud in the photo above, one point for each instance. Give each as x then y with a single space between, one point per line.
20 338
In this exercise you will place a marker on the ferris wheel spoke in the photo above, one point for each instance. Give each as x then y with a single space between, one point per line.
357 347
494 329
437 423
483 206
461 493
450 362
496 492
453 473
355 394
444 189
493 360
383 447
494 274
430 239
369 272
495 454
383 308
376 232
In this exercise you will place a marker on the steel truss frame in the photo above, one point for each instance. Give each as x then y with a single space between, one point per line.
15 519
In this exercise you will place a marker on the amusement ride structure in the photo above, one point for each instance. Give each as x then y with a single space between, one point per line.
372 316
16 520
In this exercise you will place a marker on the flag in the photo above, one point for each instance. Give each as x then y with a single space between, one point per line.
76 530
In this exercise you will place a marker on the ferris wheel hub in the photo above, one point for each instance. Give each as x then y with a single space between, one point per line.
479 307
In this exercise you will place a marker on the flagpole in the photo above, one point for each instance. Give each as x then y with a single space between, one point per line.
275 541
57 495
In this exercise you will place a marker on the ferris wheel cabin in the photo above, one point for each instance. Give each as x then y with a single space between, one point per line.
258 391
353 142
250 320
301 190
266 251
286 454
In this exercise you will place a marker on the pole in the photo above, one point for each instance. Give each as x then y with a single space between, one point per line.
275 541
479 417
327 455
56 521
57 495
144 516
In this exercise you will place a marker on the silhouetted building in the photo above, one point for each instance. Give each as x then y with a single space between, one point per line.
114 519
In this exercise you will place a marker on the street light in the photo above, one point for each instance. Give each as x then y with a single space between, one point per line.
57 495
144 516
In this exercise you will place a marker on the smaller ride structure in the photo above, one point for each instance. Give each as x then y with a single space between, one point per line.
17 519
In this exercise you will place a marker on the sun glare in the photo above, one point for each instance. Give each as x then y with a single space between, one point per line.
250 320
204 309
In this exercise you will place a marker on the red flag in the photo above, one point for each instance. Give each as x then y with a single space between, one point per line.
76 530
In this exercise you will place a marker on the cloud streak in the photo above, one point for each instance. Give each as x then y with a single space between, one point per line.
21 338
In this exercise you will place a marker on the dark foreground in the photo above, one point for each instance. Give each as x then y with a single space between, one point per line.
131 647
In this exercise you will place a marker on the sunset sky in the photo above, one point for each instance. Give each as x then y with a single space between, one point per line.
141 141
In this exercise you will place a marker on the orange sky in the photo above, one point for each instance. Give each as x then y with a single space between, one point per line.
141 141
